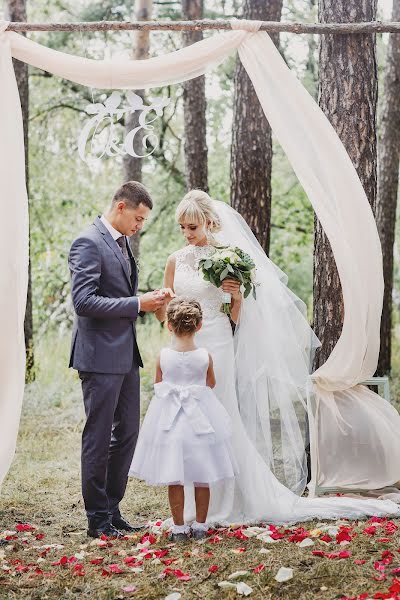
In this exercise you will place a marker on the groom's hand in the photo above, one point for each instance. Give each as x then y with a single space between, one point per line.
152 301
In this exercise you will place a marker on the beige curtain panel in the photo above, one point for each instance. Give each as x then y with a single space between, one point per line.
355 433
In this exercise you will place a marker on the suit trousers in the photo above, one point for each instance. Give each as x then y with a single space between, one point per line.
112 407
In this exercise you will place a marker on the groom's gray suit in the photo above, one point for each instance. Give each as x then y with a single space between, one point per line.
105 352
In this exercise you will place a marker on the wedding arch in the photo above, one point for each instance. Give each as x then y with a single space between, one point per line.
330 181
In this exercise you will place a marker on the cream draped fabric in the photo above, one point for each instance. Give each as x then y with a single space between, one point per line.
355 440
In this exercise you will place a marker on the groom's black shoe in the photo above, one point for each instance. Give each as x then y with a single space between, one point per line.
109 530
122 524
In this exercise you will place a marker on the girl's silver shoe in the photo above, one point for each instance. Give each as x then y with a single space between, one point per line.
198 534
178 537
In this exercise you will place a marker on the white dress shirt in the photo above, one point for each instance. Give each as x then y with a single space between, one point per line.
115 235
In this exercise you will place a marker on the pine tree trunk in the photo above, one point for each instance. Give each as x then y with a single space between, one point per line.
388 184
347 95
251 152
194 106
16 11
132 164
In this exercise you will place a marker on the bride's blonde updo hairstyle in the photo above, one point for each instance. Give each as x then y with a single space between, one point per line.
184 315
197 207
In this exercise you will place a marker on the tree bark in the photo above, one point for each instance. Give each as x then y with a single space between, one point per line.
132 164
194 107
16 11
388 184
347 95
251 151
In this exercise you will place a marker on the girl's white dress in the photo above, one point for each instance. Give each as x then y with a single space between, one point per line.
185 436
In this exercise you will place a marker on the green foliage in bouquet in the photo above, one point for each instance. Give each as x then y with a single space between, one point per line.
229 262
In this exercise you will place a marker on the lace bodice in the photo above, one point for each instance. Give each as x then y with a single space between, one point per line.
188 281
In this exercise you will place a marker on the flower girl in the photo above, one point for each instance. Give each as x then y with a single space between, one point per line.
184 439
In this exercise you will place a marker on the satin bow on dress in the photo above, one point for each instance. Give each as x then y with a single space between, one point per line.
177 398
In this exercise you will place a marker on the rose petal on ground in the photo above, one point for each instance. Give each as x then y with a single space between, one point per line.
259 568
243 589
266 538
214 540
306 543
326 538
238 574
173 596
227 584
284 574
213 568
395 587
369 530
24 527
129 589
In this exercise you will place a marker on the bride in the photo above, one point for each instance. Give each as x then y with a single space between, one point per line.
262 373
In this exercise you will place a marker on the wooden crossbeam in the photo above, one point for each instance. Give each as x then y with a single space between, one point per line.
204 24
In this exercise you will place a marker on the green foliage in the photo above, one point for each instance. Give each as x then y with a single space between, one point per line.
66 195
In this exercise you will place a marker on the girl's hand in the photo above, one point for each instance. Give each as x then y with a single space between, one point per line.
232 286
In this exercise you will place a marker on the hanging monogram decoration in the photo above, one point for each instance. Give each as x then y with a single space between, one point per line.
102 137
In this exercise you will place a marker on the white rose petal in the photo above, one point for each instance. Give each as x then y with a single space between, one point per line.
174 596
145 544
266 538
252 531
237 574
305 543
243 589
264 551
226 584
284 574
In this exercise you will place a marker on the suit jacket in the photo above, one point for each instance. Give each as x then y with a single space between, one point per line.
105 303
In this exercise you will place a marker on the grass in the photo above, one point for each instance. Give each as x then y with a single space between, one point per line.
43 489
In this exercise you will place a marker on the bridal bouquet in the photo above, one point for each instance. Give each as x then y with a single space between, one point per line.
229 262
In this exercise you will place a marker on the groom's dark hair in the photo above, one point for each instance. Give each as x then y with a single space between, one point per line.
133 193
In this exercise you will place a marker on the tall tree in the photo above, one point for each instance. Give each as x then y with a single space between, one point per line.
141 48
347 94
251 150
194 106
388 184
16 11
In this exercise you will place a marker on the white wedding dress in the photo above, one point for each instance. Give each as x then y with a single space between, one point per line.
256 494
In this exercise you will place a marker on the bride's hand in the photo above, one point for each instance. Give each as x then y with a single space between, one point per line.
232 286
168 294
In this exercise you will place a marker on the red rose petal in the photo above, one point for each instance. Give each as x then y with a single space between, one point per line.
259 568
24 527
213 568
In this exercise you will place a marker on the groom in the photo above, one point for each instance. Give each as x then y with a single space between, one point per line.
105 352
